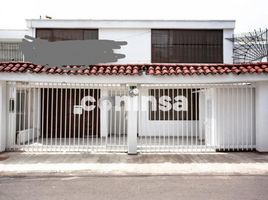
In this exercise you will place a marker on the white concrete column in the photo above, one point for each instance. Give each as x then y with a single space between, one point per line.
132 123
227 46
104 113
3 109
262 116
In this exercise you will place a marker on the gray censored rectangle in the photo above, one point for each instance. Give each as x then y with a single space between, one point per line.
70 52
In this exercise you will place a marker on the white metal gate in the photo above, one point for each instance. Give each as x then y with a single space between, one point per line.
66 117
196 117
94 117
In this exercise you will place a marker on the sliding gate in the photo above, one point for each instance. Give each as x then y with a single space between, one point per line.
66 117
94 117
196 117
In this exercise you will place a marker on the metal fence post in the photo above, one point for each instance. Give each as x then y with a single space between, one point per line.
132 121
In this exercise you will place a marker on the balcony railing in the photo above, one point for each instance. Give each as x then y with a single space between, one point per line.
9 51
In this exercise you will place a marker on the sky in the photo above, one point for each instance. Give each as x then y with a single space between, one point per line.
249 14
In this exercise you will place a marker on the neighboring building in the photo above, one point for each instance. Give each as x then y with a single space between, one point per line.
215 105
9 44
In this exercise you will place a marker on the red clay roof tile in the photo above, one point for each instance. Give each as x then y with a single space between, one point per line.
136 69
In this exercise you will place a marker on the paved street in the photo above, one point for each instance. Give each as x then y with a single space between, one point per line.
135 187
215 176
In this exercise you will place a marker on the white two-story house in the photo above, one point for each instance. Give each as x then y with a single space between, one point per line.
176 90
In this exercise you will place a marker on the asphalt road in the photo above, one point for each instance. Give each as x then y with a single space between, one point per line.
135 187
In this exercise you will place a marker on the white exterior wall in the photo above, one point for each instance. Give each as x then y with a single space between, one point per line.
227 46
3 116
262 116
11 115
136 32
164 127
167 127
138 48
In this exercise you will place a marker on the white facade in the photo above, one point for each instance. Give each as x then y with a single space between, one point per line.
137 33
227 46
138 48
262 116
3 112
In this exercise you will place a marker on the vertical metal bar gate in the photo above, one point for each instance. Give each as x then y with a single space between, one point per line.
197 117
93 117
66 117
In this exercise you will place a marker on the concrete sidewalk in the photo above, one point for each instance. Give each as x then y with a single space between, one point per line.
242 163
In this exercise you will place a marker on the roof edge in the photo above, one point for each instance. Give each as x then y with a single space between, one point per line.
130 23
138 69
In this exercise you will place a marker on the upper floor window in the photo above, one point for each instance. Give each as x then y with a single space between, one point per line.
187 46
66 34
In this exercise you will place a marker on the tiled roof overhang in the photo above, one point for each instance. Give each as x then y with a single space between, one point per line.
138 69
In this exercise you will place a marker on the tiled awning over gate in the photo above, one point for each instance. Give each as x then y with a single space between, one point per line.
138 69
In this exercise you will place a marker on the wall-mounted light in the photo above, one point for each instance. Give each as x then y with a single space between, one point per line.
133 91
